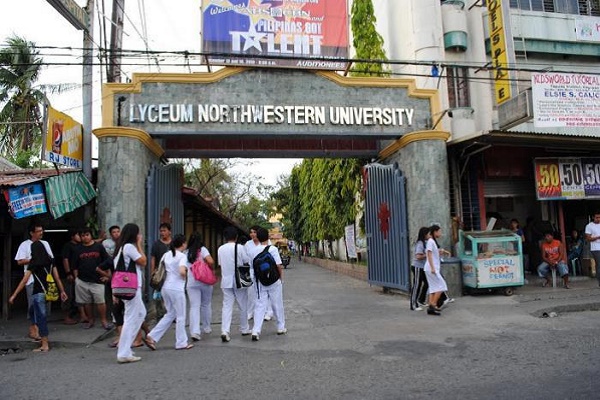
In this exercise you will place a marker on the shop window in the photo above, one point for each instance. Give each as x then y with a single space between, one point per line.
458 87
589 7
581 7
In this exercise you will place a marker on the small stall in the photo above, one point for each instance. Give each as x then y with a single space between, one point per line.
491 260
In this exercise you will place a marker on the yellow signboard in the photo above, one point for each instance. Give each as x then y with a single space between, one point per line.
64 140
502 86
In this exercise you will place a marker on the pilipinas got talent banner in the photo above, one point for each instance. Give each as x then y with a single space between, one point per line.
26 200
292 30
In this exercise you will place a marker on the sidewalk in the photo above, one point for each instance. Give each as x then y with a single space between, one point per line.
531 299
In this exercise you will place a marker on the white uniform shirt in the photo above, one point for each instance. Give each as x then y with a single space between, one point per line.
432 246
191 281
594 230
174 280
226 257
24 253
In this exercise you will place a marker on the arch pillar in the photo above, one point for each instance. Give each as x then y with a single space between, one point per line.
423 159
124 158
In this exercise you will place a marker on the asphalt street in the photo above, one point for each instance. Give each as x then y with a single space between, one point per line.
346 340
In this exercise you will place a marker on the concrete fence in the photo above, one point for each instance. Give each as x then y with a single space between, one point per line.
356 271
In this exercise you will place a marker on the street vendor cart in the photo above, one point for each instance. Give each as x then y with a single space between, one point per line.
491 260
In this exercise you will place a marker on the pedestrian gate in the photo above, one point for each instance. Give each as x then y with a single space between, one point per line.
386 223
164 200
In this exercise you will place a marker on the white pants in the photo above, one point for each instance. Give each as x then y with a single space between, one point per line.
133 317
252 299
175 304
241 297
200 296
272 294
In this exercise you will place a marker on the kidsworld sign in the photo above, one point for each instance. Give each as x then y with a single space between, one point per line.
276 33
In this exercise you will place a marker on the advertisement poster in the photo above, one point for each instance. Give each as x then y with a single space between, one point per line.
249 32
565 100
567 178
26 200
64 140
350 242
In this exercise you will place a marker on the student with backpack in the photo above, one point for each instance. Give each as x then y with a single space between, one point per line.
268 275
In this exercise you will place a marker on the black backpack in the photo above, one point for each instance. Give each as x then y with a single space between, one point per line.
265 268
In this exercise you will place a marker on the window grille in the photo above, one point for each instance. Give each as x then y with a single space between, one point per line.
458 87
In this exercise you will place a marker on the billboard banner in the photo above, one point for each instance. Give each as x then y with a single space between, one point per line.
565 100
248 32
26 200
64 140
567 178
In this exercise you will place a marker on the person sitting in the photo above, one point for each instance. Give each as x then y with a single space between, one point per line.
574 246
553 256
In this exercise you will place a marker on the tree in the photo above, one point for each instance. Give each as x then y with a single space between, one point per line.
21 101
366 40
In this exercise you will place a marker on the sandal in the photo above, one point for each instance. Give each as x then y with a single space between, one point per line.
113 345
150 343
189 346
41 350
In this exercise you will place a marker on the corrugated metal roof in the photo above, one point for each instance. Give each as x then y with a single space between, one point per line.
529 128
24 176
6 165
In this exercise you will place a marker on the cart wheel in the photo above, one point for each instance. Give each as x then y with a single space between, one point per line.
508 291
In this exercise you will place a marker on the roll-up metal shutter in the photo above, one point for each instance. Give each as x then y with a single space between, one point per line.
508 187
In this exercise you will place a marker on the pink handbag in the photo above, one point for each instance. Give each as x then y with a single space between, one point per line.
202 271
124 282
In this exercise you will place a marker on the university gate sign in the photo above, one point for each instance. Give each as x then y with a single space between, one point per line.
269 112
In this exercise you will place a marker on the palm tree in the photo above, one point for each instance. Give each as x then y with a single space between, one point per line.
20 100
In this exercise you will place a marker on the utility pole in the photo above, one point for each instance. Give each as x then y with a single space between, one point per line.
87 91
116 41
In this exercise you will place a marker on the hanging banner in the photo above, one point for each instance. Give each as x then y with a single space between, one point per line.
350 241
567 178
500 43
26 200
257 29
565 100
64 140
68 192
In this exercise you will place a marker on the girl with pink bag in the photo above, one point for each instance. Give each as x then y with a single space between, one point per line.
199 293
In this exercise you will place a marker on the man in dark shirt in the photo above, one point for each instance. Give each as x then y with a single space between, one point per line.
159 248
92 272
68 253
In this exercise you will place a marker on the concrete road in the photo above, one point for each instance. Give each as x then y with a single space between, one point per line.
346 340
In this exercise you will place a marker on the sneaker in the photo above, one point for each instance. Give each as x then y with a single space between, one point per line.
195 337
418 308
208 331
268 317
282 331
433 311
567 287
448 301
255 338
225 337
125 360
422 304
246 333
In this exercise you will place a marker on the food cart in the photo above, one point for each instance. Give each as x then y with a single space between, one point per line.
491 260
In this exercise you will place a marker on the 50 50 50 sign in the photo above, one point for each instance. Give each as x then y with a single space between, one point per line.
567 178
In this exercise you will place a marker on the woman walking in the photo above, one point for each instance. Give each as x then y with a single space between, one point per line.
437 284
419 287
200 294
173 293
39 266
130 244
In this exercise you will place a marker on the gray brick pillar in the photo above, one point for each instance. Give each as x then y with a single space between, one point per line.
124 158
423 160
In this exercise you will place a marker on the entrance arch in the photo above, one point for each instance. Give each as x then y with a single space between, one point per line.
252 113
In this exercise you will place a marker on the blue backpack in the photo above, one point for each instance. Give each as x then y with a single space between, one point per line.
265 268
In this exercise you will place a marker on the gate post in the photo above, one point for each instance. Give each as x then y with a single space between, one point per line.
124 158
423 159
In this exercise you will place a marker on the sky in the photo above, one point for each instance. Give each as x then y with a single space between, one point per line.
169 25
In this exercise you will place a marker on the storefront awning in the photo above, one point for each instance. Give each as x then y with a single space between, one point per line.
68 192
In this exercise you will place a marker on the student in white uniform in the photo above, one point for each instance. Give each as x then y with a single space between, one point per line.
131 244
272 294
226 256
249 246
173 293
437 284
200 294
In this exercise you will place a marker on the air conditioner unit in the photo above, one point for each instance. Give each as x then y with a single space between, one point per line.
454 21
